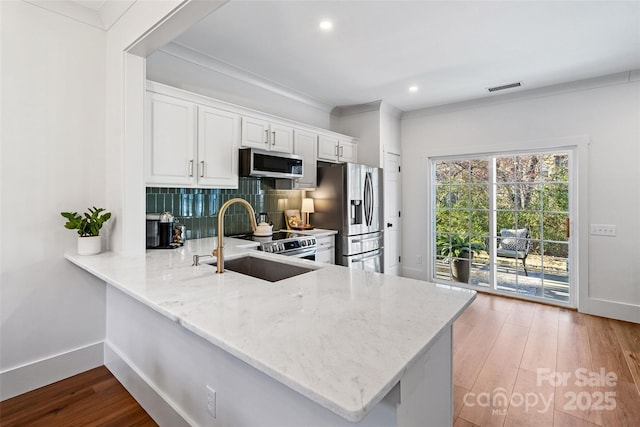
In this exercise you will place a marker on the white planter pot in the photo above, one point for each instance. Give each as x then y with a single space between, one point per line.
89 245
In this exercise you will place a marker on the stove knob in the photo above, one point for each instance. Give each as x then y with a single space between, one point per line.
304 243
281 246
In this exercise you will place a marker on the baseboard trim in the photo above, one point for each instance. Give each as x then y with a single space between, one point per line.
157 404
612 310
30 376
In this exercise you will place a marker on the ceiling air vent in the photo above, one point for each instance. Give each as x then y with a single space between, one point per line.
503 87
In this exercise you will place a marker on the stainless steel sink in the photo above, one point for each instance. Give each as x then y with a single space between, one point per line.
264 269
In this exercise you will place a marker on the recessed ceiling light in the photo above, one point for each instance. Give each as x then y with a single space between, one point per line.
413 88
326 25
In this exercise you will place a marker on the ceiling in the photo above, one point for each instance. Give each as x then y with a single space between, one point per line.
452 50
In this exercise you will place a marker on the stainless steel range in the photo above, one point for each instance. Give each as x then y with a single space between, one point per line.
285 243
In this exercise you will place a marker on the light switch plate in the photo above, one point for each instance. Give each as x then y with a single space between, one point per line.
603 230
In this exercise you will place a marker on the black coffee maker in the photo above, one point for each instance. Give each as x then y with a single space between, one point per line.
160 231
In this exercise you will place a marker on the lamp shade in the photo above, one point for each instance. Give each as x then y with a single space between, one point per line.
307 206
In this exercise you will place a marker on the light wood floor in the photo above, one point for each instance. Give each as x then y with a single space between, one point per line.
92 398
519 350
500 344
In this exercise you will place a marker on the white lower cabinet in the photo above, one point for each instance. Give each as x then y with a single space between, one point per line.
326 249
190 145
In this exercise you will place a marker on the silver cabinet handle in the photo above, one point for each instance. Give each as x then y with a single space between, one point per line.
341 151
190 167
273 142
266 136
201 168
336 150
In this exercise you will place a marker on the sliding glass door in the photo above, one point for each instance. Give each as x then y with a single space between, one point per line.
501 222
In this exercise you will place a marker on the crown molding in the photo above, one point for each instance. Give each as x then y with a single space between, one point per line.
203 60
102 19
574 86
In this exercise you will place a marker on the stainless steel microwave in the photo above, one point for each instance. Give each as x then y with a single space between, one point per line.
271 164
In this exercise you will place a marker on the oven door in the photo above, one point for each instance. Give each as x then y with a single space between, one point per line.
368 261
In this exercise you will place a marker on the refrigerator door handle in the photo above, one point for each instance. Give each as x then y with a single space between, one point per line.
368 195
370 239
367 258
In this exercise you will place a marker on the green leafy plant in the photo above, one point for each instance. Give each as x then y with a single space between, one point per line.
89 224
455 244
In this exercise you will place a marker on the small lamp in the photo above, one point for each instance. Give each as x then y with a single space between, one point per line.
307 208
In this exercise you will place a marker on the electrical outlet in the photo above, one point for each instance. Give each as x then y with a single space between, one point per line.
419 259
603 229
211 402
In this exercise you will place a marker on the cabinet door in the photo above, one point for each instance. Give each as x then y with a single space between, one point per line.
255 133
169 141
347 151
327 148
218 143
281 138
326 249
304 144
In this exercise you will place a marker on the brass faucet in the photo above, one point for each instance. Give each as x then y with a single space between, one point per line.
218 252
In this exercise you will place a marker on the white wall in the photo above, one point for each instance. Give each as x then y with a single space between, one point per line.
609 116
197 77
52 160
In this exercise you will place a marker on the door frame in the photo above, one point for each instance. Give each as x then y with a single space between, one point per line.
578 207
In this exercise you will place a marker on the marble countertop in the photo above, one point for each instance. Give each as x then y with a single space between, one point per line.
341 337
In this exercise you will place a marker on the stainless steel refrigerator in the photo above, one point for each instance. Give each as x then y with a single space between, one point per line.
348 198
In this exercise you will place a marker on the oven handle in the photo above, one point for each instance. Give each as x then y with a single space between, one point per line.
300 253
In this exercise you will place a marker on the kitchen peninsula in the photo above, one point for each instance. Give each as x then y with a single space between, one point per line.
329 347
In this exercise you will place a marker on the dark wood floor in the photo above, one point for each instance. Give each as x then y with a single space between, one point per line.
502 346
93 398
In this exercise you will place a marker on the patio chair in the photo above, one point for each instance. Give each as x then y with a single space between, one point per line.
514 243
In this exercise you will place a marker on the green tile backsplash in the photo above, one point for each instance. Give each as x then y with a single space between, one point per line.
197 208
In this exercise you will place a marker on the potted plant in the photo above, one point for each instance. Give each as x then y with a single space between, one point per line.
88 226
458 249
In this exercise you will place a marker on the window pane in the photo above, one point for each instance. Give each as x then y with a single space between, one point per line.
505 169
555 197
480 223
479 196
555 227
460 221
505 220
555 167
443 199
527 197
479 170
459 170
442 220
528 168
504 197
442 172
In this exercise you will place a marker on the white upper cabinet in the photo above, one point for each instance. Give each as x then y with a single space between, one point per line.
304 144
190 145
258 133
193 141
281 138
218 136
169 142
336 149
